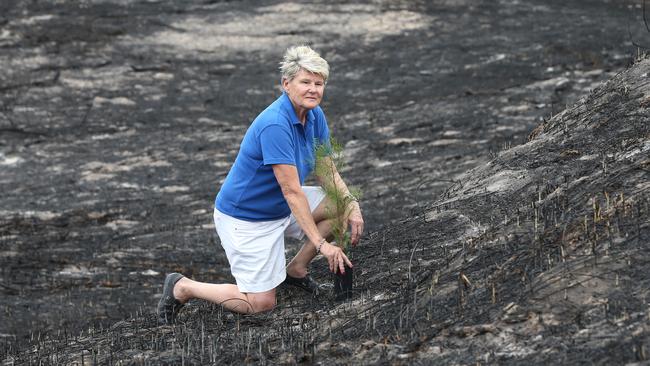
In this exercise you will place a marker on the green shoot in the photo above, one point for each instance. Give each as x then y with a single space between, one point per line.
329 160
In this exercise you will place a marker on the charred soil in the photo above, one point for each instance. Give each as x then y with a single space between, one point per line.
502 148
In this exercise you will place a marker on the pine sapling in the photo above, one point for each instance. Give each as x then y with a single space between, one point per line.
329 160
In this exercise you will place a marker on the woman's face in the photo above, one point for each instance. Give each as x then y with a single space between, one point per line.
305 90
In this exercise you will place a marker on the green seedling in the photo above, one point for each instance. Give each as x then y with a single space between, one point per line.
329 160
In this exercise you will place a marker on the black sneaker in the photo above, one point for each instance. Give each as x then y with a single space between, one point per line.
168 306
305 283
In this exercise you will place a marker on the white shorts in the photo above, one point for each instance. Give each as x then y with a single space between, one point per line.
255 250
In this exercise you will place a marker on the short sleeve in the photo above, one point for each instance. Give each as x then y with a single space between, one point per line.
277 145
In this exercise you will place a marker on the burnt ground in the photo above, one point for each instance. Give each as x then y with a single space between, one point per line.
119 120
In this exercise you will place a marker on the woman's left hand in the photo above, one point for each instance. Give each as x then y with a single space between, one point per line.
356 223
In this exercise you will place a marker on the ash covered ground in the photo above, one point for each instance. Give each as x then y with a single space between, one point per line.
502 148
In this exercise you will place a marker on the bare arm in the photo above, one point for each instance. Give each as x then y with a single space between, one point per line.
287 177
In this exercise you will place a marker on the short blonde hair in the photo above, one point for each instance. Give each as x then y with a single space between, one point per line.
303 57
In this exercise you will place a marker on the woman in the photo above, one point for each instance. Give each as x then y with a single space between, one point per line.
262 200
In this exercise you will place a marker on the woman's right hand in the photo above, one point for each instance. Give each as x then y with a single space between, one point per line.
335 257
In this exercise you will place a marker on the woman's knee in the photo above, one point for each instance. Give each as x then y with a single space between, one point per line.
262 303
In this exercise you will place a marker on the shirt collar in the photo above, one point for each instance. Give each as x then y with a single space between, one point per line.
288 107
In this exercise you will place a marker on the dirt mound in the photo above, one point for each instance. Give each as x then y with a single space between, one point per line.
539 256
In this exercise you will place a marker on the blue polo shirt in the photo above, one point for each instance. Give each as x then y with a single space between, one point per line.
251 192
